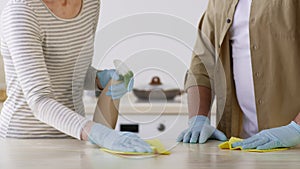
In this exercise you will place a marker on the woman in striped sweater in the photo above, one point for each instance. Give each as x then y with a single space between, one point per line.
47 46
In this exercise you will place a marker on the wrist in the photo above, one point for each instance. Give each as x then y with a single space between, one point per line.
199 116
198 119
86 130
297 119
295 126
100 87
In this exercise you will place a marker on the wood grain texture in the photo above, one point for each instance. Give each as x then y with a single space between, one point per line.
74 154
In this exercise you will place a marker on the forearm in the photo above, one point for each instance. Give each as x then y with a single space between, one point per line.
98 83
199 101
297 119
57 115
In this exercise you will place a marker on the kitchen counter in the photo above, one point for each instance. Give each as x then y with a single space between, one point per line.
149 119
129 104
74 154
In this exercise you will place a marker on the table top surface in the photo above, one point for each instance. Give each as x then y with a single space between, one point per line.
73 154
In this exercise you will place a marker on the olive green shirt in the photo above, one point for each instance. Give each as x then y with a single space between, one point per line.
274 27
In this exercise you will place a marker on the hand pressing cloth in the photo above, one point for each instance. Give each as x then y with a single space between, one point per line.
156 146
228 145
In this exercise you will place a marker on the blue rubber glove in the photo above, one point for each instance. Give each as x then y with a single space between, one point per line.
118 141
200 131
285 136
116 91
106 75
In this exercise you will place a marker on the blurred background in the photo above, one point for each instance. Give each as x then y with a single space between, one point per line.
155 39
146 54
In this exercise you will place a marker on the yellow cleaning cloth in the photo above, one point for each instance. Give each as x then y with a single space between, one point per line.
227 145
157 147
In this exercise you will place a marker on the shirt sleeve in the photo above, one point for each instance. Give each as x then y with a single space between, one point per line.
90 83
90 79
22 34
201 69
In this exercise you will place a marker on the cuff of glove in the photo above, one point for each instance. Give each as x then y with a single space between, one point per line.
98 74
295 126
198 118
98 133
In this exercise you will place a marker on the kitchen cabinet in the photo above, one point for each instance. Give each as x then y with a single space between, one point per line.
153 119
149 119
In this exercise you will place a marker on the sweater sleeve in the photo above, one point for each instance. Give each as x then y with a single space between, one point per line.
89 83
201 70
90 79
21 32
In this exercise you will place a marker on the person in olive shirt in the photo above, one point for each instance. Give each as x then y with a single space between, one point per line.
247 55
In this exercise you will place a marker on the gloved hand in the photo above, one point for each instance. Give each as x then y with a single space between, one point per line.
106 75
116 91
285 136
200 131
118 141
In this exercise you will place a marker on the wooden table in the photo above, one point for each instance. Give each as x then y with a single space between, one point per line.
73 154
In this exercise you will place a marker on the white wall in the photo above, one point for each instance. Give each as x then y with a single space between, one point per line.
124 32
2 4
155 36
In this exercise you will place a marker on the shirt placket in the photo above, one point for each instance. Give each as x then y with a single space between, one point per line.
257 59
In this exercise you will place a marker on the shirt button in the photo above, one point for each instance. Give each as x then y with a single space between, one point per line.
255 47
228 20
252 19
260 101
257 74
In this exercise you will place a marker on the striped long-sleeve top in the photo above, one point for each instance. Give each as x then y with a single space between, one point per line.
47 65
